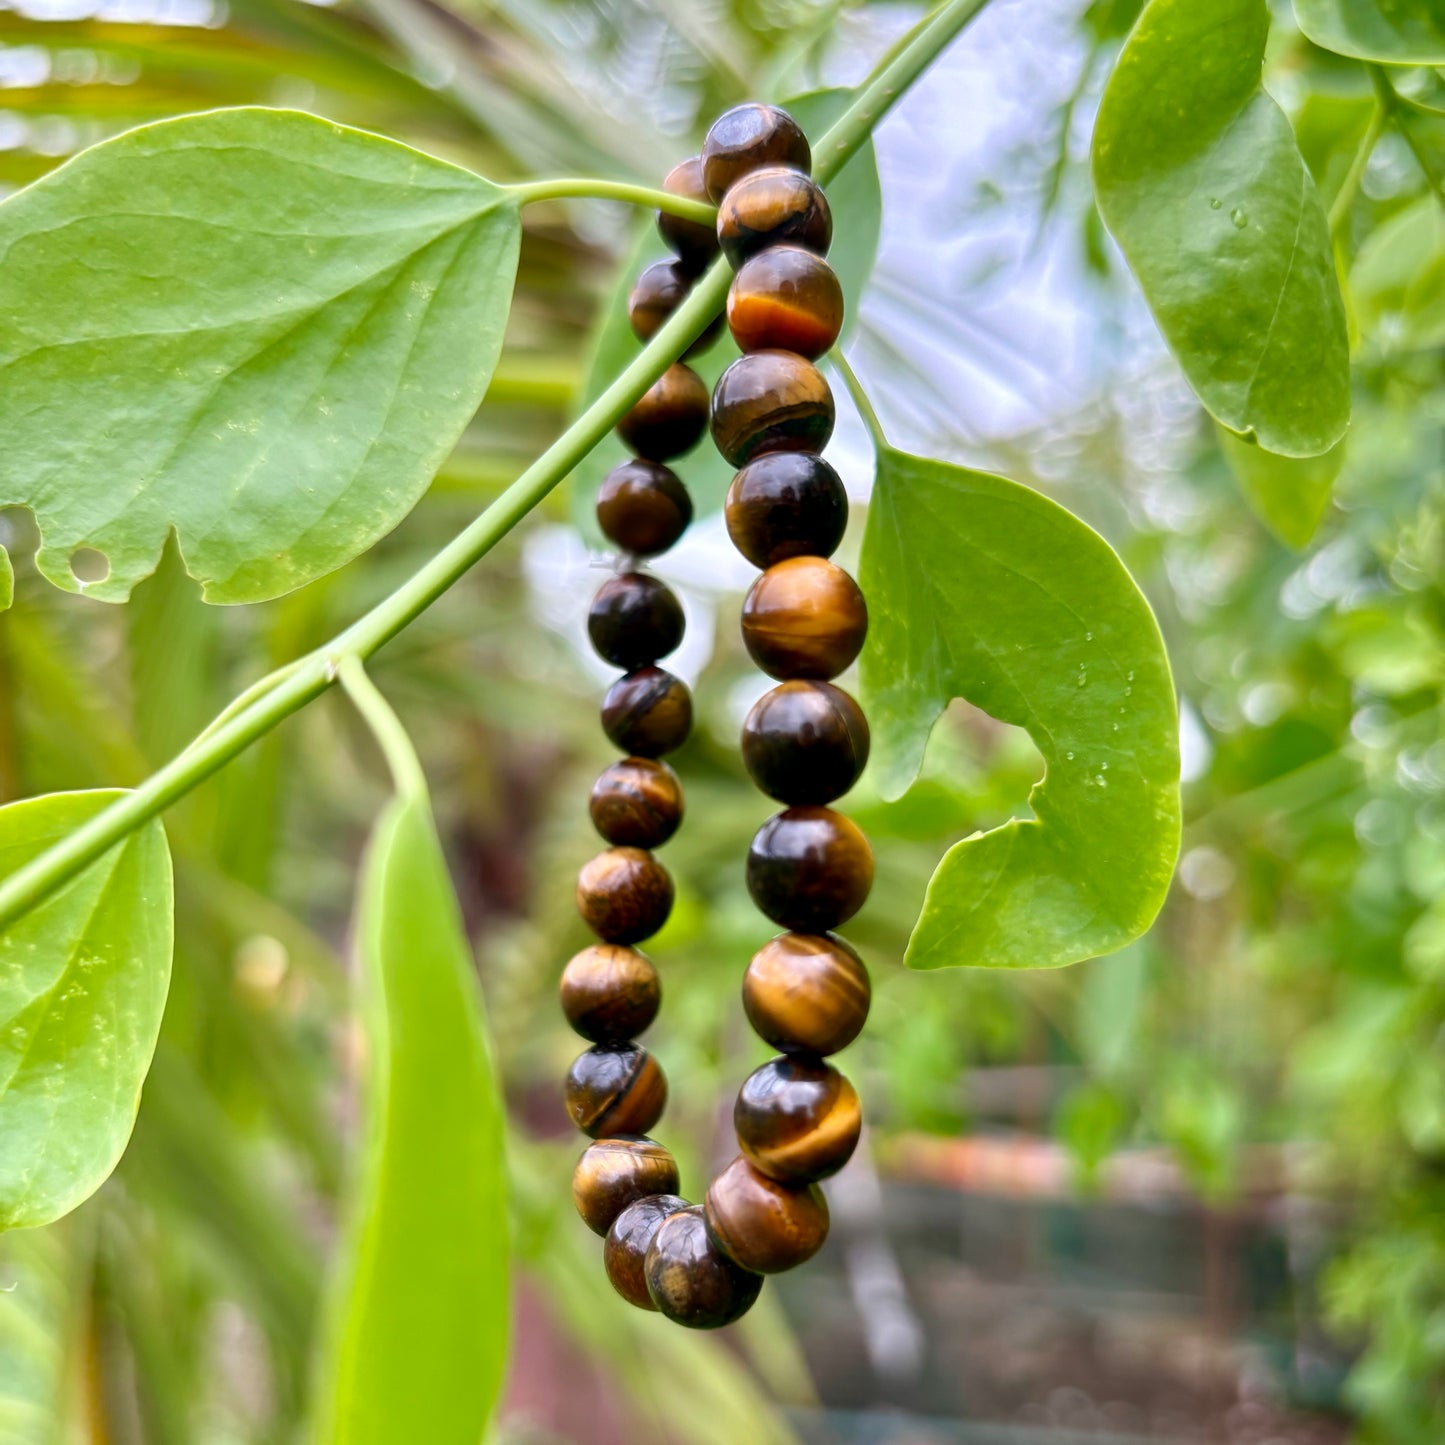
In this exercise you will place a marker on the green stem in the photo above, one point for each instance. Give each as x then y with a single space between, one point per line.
386 728
578 188
1350 186
1394 103
313 674
860 400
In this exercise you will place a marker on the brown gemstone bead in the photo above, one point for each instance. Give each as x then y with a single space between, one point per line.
762 1224
625 1250
615 1089
770 401
624 895
637 803
614 1173
797 1119
648 712
804 617
634 620
773 207
669 417
786 297
693 243
690 1280
786 504
643 507
807 993
609 993
804 742
746 137
810 869
657 293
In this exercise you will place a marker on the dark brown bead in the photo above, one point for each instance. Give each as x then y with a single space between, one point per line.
614 1173
804 742
610 994
774 207
690 1280
807 993
788 298
634 620
804 617
810 869
797 1119
770 401
657 293
625 1251
762 1224
692 242
637 803
786 504
624 895
643 507
746 137
669 417
615 1089
648 712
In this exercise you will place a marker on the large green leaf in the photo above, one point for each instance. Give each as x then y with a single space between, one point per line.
983 589
1394 32
1199 179
1288 494
83 981
254 327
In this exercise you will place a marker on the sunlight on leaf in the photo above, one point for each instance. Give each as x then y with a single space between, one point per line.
1393 32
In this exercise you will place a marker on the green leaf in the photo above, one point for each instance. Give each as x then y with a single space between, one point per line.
254 327
1398 279
83 981
36 1308
1288 494
1393 32
7 580
1199 179
983 589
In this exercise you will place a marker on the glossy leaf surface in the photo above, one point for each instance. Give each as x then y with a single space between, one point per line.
1394 32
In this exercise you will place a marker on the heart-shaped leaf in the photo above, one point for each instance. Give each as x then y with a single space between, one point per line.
1392 32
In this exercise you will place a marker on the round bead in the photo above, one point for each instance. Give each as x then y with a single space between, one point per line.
609 993
624 895
637 803
656 294
625 1250
804 742
804 617
807 993
634 620
810 869
614 1089
786 297
797 1119
614 1173
773 207
786 504
692 242
690 1280
643 507
648 712
762 1224
770 401
669 417
746 137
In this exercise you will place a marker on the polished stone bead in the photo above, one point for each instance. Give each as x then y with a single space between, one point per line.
804 742
804 617
609 993
648 712
625 1251
774 207
670 416
692 242
624 895
788 298
690 1280
614 1089
770 401
634 620
797 1119
762 1224
747 137
637 803
810 869
786 504
658 291
807 993
643 507
615 1173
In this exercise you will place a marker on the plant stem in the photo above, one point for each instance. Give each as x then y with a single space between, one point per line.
1350 186
1394 104
582 187
311 675
386 728
860 400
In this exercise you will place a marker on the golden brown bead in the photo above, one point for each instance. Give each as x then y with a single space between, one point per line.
648 712
634 619
693 243
624 895
786 297
804 617
786 504
669 417
643 507
773 207
610 994
770 401
807 993
637 803
810 869
614 1089
746 137
614 1173
690 1280
804 742
762 1224
657 293
625 1250
797 1119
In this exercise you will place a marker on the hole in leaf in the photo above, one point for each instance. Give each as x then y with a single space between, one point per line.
88 565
